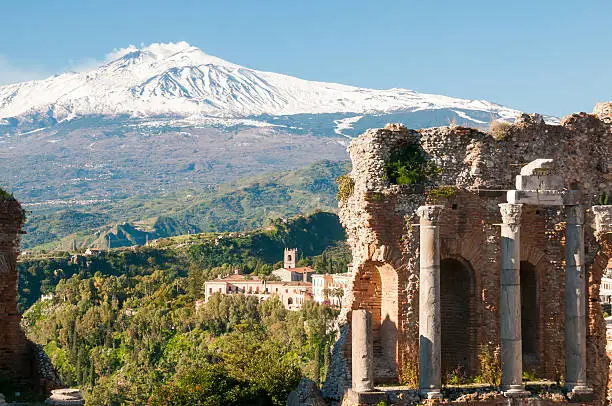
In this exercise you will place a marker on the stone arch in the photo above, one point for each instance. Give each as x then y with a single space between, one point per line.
376 289
530 315
459 324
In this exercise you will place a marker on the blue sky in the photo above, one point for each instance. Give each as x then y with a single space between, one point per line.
538 56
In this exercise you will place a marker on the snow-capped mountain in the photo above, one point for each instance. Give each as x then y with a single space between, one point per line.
178 79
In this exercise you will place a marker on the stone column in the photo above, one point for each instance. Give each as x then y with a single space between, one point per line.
510 301
575 306
362 344
430 361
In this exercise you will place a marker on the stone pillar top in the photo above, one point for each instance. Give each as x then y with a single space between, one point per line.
430 212
511 213
604 111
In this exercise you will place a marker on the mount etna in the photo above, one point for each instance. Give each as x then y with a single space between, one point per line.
168 118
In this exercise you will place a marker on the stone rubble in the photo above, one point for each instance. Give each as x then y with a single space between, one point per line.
65 397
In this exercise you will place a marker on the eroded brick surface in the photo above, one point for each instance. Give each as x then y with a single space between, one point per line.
22 363
14 357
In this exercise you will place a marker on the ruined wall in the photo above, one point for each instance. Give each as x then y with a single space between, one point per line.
379 219
23 365
14 355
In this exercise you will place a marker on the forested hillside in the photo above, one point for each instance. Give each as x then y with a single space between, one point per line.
122 324
316 236
245 204
129 340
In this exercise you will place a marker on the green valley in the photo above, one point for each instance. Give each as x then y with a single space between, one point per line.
243 204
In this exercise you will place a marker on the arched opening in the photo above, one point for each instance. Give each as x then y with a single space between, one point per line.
290 301
385 351
377 290
458 327
385 324
288 257
529 316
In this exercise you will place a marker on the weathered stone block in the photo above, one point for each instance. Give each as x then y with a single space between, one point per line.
536 198
537 182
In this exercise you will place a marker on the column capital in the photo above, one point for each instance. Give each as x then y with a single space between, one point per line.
430 212
511 213
574 214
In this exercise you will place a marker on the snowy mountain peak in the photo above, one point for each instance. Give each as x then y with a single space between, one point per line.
180 79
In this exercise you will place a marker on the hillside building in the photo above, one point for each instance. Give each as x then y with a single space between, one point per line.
292 293
289 272
331 288
303 274
605 290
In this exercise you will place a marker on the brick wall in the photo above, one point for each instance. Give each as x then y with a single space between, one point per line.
16 360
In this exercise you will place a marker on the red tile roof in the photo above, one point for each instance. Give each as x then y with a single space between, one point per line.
238 278
304 269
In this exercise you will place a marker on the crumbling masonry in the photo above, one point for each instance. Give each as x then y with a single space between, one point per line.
498 265
23 365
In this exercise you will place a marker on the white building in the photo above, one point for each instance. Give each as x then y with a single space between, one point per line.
331 288
296 285
292 294
605 289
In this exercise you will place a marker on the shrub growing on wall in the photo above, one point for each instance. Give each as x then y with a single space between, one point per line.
499 129
4 195
408 165
346 187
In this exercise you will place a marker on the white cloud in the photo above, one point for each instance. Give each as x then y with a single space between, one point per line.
88 64
118 53
10 73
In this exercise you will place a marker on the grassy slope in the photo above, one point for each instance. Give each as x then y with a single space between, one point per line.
241 205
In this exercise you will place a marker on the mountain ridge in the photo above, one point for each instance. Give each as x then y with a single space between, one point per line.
180 79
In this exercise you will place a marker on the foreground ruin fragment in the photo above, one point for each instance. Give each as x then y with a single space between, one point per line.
477 228
24 367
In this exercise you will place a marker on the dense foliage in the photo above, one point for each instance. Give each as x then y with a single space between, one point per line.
346 187
408 165
122 324
124 340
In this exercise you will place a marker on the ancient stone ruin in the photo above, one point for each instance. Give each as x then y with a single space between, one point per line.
23 365
488 265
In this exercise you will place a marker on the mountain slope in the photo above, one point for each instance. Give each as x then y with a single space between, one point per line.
179 79
238 206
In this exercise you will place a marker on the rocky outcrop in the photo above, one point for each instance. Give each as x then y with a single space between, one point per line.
306 394
65 397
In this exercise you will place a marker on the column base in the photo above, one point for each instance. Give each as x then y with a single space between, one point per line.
579 389
366 398
430 393
579 393
516 391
